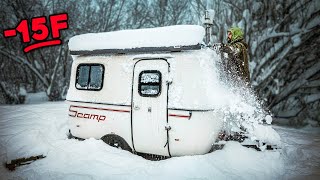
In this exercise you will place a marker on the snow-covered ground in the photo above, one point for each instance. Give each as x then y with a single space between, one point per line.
301 152
27 130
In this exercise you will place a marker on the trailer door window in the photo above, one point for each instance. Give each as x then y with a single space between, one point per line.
150 83
90 77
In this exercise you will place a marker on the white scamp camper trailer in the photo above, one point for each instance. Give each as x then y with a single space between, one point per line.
144 90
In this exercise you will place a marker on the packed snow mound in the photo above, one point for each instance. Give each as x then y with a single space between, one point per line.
265 134
179 35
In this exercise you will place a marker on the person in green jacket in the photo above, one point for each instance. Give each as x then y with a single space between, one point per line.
237 61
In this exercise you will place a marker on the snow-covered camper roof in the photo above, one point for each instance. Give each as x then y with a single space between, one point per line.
170 38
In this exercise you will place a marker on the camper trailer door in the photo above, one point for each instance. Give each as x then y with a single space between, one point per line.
149 106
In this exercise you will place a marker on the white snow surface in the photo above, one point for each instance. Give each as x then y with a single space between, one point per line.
27 130
178 35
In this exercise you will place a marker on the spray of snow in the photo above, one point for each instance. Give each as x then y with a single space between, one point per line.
240 106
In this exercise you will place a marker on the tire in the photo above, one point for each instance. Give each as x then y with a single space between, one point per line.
116 141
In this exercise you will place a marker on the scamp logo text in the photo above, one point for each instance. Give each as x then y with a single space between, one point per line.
74 113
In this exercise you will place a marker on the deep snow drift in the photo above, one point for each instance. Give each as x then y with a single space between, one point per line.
41 128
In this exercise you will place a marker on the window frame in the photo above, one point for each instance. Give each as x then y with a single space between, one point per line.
89 74
140 83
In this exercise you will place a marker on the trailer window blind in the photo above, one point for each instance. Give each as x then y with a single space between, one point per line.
90 77
150 83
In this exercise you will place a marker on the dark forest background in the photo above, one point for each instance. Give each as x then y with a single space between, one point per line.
283 35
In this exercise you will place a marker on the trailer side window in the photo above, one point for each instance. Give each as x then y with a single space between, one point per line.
90 77
150 83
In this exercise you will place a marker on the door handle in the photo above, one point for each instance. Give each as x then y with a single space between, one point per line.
167 127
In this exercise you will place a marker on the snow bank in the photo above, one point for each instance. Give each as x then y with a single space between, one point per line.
75 160
179 35
32 129
265 134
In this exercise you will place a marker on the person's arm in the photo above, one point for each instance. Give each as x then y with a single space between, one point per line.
232 49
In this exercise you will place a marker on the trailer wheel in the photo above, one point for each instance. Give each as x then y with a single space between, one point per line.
116 141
